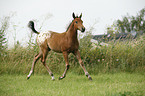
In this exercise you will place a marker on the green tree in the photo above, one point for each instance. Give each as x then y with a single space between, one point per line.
3 27
131 23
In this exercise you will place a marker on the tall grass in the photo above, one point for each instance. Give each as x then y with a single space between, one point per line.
128 55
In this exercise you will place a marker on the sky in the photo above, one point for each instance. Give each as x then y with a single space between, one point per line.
55 15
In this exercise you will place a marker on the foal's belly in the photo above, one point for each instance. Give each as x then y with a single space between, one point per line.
55 48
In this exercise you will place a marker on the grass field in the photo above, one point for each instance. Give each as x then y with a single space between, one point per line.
117 84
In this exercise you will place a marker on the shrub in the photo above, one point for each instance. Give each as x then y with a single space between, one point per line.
118 56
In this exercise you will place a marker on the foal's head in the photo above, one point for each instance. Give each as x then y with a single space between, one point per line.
78 23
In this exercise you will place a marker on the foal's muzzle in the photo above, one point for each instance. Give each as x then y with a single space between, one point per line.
83 29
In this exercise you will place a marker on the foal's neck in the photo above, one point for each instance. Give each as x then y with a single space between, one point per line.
72 32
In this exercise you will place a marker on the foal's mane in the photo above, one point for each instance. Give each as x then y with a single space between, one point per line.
69 26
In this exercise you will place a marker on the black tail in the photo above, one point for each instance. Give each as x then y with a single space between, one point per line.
31 26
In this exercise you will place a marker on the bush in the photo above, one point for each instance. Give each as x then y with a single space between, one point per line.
125 55
118 56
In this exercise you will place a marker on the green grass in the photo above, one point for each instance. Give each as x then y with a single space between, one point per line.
117 84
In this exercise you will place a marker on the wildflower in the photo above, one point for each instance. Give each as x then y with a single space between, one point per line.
117 59
98 60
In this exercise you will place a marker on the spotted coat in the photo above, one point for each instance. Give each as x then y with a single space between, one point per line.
43 36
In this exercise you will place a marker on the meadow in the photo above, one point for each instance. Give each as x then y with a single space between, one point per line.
117 84
117 70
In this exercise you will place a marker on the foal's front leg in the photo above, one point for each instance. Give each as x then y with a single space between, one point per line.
77 54
65 55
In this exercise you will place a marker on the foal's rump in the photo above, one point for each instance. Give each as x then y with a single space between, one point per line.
43 36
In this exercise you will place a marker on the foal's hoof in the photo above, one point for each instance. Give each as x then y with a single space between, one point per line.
90 78
60 78
28 77
53 79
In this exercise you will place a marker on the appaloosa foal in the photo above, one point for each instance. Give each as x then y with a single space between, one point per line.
65 43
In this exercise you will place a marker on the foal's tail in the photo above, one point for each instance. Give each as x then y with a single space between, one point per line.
31 26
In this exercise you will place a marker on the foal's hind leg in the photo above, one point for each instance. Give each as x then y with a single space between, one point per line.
45 53
36 58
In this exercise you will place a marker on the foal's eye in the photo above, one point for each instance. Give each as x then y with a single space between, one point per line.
76 22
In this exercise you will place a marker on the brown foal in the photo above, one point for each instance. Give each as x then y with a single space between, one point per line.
65 43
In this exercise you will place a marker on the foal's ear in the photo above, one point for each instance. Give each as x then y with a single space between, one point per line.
73 15
81 15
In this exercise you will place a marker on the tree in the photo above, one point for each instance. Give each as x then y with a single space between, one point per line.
4 26
130 24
